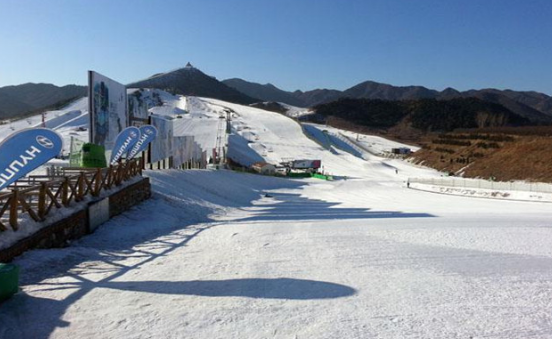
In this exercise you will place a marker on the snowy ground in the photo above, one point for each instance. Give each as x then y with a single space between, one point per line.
210 256
485 193
218 254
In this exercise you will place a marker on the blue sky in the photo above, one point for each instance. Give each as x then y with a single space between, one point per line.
293 44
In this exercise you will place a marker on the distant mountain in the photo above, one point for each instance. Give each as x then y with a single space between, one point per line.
516 106
423 114
267 92
21 99
191 81
270 106
10 107
376 90
318 96
535 106
536 100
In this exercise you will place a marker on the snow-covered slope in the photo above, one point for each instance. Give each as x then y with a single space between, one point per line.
278 138
373 144
66 121
296 112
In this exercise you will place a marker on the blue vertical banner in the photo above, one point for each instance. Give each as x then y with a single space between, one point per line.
147 134
25 151
124 143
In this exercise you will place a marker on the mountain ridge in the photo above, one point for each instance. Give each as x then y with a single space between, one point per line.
17 100
530 104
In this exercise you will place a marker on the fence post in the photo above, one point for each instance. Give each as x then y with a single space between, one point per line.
42 201
118 174
13 209
97 182
109 176
65 192
81 182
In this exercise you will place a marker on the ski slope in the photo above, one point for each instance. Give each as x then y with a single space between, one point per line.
66 121
220 254
371 143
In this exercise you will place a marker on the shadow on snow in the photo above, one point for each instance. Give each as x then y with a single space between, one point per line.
285 206
279 288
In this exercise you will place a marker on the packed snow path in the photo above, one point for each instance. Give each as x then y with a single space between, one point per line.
217 254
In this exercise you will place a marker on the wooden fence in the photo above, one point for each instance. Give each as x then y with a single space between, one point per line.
38 195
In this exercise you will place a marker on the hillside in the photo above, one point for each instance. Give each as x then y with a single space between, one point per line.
376 90
498 155
317 96
495 96
532 105
268 92
21 99
424 115
191 81
10 107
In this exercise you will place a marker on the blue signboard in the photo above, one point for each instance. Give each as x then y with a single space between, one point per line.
124 142
147 134
26 150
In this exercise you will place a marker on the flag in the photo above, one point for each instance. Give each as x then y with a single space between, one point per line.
26 150
124 142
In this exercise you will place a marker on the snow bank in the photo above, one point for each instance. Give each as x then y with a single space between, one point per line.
485 193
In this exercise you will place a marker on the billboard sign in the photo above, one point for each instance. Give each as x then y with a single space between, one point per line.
26 150
138 107
107 103
306 164
124 143
147 135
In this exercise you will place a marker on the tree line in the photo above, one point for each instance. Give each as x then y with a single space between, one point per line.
424 114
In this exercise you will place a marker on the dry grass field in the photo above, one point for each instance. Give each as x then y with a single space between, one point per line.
516 154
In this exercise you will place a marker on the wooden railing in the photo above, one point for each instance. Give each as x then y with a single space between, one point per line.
38 195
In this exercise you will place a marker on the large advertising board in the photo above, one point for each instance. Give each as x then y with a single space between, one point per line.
162 146
107 104
137 107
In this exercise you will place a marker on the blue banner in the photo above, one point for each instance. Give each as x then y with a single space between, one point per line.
124 142
147 134
26 150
